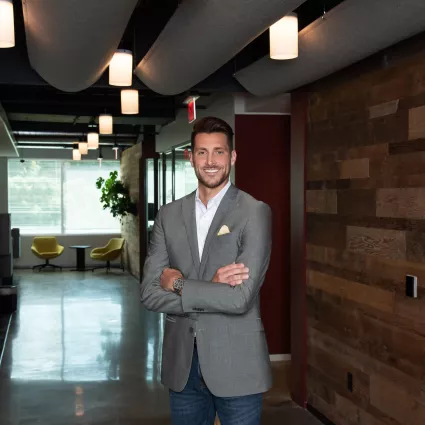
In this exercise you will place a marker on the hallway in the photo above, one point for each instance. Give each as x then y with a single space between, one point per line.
82 350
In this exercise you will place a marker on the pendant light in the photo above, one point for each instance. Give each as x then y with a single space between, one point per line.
93 140
7 25
121 68
129 101
76 154
105 124
284 38
83 147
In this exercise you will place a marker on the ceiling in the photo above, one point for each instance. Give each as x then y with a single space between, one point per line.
42 115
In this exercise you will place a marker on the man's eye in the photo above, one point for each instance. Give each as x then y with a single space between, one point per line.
200 153
220 152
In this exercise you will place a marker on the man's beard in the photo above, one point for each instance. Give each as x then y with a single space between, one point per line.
214 184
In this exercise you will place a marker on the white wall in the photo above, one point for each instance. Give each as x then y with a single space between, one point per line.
69 255
179 131
3 186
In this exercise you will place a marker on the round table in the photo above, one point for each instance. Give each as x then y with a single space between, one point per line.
81 257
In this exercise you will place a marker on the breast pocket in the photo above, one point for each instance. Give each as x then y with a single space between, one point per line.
224 249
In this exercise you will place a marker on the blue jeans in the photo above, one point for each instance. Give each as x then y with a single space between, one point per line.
195 405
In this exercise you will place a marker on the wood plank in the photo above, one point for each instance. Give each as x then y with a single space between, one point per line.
328 233
407 147
401 203
357 292
372 152
357 202
415 246
383 109
363 361
395 401
328 184
323 171
365 332
321 201
388 284
354 168
379 242
398 165
402 349
356 415
375 267
388 181
337 368
316 384
417 123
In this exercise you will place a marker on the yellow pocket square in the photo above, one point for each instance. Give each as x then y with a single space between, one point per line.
224 230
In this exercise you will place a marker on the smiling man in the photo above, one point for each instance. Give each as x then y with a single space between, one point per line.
208 256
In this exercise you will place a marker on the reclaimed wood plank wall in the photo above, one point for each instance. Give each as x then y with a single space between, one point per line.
365 231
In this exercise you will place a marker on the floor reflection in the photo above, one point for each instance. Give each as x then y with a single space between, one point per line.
82 350
68 338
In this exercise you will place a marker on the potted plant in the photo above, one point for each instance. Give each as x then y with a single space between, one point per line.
116 196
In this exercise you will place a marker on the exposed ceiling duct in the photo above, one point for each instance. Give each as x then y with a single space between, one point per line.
70 43
202 36
350 32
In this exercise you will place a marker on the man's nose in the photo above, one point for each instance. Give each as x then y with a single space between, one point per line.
210 159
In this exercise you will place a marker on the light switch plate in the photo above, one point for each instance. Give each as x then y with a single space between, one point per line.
411 286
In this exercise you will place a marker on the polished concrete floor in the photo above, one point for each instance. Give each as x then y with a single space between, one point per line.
82 350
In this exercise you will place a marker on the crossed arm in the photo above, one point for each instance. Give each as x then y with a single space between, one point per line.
214 296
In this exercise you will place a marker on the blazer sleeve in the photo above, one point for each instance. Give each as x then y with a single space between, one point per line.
152 295
255 250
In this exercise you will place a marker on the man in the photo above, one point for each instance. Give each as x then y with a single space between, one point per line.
208 255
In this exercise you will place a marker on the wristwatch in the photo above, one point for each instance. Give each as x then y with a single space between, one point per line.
178 286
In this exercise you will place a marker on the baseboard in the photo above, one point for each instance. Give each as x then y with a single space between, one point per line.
321 417
280 357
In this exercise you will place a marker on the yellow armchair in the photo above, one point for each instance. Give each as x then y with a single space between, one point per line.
46 248
110 252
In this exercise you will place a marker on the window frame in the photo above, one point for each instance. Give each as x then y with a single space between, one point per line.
62 202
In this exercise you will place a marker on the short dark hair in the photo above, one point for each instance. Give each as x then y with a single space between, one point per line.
212 125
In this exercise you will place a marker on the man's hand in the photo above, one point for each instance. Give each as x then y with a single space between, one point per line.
168 277
233 274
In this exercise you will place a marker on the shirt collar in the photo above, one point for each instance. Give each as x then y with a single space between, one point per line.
217 198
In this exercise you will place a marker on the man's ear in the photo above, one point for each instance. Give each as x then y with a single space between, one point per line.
233 158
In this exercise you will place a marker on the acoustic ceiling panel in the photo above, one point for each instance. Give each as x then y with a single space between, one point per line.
202 36
350 32
70 43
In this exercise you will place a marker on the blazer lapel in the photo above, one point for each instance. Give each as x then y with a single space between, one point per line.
224 207
189 218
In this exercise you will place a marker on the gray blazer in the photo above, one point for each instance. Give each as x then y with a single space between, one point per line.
226 321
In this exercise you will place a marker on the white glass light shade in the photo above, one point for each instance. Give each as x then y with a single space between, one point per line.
105 124
129 101
284 38
121 68
7 26
76 155
93 140
83 147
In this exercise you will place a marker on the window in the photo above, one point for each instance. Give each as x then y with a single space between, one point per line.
59 197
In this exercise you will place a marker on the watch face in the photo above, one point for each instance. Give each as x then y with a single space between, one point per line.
178 285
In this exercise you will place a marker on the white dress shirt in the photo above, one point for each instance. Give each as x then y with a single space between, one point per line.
205 215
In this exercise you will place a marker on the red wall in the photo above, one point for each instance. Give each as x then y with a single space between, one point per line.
263 170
